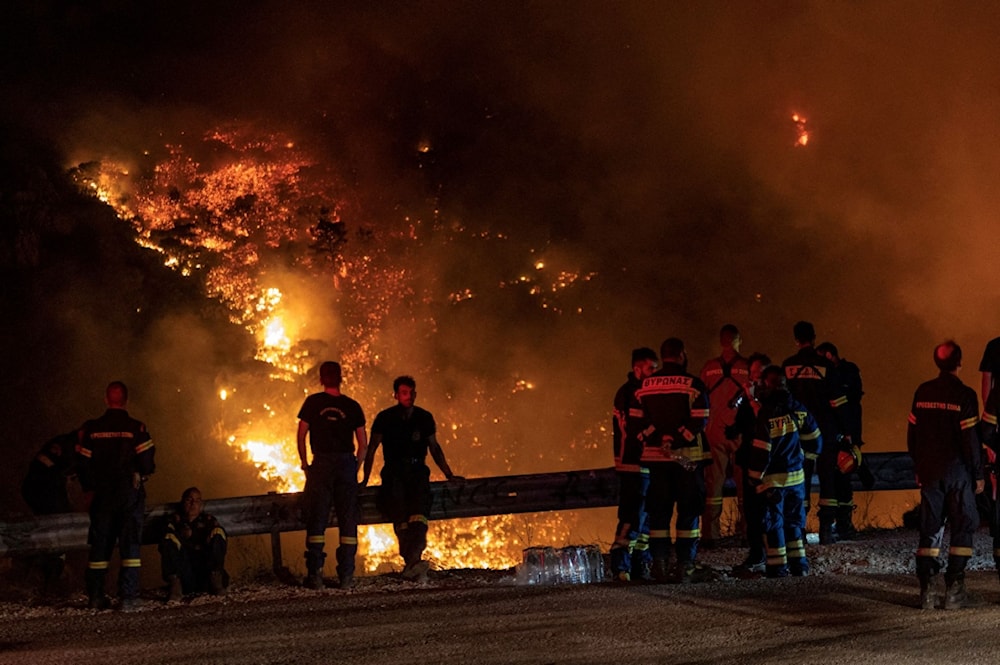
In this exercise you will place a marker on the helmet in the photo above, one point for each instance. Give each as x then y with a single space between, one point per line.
849 459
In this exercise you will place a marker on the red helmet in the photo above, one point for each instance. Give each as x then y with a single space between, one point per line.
849 460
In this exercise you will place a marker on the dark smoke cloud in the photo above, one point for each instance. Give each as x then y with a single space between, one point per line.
649 143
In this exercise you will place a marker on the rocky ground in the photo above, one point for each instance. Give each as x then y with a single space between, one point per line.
860 604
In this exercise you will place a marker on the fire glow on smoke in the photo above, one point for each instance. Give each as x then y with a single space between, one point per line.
253 217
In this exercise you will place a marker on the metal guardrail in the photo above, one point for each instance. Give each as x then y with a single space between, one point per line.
477 497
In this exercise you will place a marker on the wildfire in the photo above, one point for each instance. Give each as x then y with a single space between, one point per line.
801 133
228 211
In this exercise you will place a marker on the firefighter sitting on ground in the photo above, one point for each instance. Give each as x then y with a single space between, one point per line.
193 550
44 490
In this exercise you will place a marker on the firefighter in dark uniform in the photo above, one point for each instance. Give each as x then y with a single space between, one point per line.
726 378
630 558
193 550
785 431
743 429
115 456
675 411
811 379
332 422
990 437
848 374
408 433
942 439
44 490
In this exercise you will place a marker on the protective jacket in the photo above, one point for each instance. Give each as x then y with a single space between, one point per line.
675 412
785 434
941 435
812 380
626 424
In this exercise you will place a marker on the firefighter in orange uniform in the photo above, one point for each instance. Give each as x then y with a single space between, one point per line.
726 377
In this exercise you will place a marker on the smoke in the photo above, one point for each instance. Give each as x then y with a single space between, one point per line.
646 149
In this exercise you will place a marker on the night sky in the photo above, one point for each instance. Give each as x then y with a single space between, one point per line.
649 143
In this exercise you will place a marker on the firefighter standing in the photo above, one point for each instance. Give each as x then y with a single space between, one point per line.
115 456
726 378
785 430
332 422
193 550
630 558
848 374
941 438
675 410
811 379
990 436
753 507
408 434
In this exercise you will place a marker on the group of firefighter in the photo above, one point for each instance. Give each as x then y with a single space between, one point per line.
113 456
678 438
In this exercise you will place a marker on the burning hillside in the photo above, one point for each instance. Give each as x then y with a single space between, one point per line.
268 231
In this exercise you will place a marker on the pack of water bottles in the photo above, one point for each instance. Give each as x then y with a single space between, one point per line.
573 564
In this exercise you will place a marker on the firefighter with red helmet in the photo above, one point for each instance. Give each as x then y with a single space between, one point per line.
675 410
942 439
115 456
630 558
785 432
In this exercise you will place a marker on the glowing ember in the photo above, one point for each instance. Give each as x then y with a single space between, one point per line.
802 134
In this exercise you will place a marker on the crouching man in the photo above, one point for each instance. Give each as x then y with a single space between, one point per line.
193 550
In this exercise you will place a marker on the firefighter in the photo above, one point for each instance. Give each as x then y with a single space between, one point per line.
811 379
675 410
726 378
784 432
44 490
332 422
193 550
990 437
941 438
990 367
115 457
743 429
849 456
630 558
408 434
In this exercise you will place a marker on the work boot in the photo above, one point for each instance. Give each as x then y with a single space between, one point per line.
130 605
314 581
216 583
660 570
955 597
750 568
827 534
346 581
641 571
845 524
928 596
99 602
175 591
416 572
